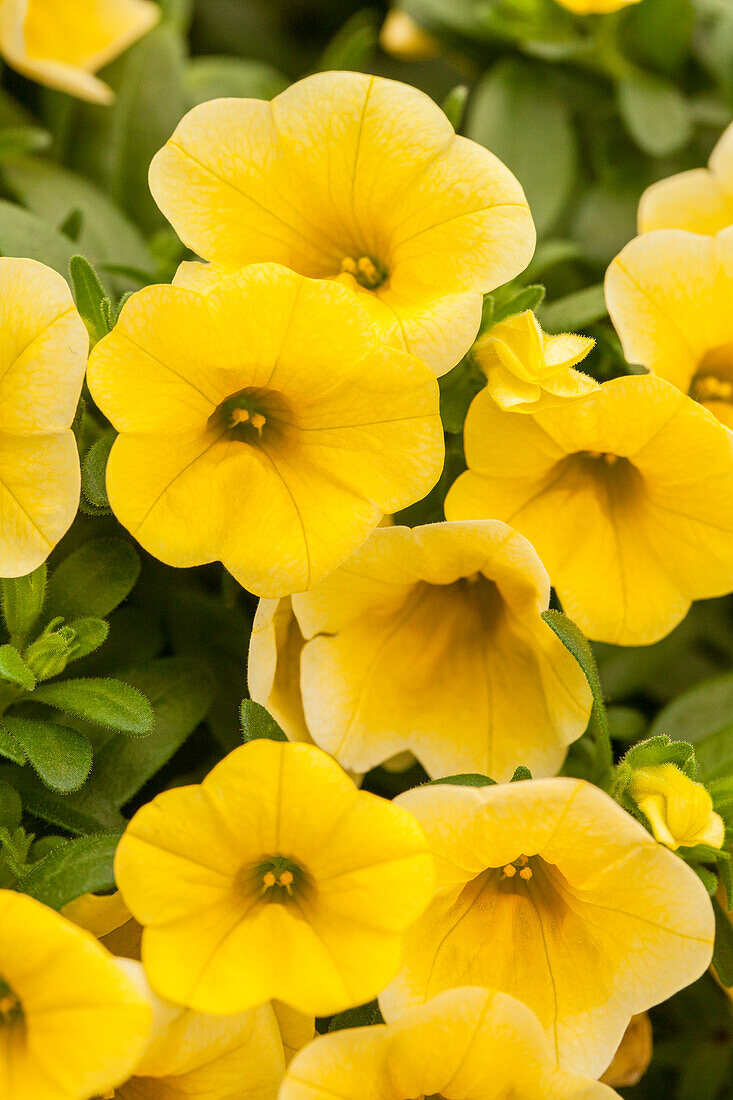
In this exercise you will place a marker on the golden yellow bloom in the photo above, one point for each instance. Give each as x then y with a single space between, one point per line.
359 179
62 43
700 200
428 639
469 1044
261 414
274 878
527 370
631 1060
71 1024
679 810
42 362
404 38
595 7
627 497
549 891
670 296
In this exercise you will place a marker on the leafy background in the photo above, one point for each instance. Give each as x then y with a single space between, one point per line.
122 676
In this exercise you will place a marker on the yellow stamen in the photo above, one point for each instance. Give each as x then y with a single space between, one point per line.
286 878
710 388
258 421
364 270
510 870
526 873
240 416
610 459
269 879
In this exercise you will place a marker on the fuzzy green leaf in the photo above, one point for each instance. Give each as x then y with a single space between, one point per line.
22 601
60 756
81 866
93 580
89 295
14 669
258 723
108 702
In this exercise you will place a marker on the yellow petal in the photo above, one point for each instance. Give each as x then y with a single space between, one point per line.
700 200
273 666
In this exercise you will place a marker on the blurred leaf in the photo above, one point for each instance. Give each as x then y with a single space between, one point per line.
93 580
61 756
83 866
22 601
530 297
517 114
574 312
105 702
24 234
364 1016
94 474
655 112
11 808
257 723
658 33
723 954
352 47
604 220
704 716
14 669
454 105
90 297
467 779
457 390
17 140
224 77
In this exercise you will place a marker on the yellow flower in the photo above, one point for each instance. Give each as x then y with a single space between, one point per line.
274 878
359 179
42 362
62 43
700 200
71 1024
679 810
549 891
404 38
527 370
261 414
631 1060
595 7
670 296
273 670
428 639
627 497
191 1054
469 1044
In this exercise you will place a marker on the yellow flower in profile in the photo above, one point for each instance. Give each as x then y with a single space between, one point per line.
700 200
62 43
71 1024
631 1060
428 639
627 496
595 7
550 892
679 810
261 415
42 362
273 669
527 370
404 38
468 1044
670 297
357 179
274 878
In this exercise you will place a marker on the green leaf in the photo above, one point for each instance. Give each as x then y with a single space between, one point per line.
231 77
520 774
467 779
352 47
655 112
708 878
90 634
109 703
531 297
521 116
703 715
658 750
454 105
80 813
24 234
10 749
457 390
89 295
258 723
94 579
72 226
14 668
17 140
11 807
574 312
723 952
364 1016
658 33
81 866
61 756
22 601
94 473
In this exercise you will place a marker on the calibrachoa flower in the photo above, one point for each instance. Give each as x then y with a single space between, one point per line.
527 370
62 43
359 179
274 878
627 497
700 200
261 415
428 639
42 361
595 7
679 810
72 1025
631 1060
670 297
197 1055
468 1044
549 891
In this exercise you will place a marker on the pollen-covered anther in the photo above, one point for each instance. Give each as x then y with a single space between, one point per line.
711 388
521 865
244 416
366 272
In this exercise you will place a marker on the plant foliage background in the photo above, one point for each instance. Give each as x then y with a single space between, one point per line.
141 667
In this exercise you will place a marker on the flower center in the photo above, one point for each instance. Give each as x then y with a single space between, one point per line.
520 866
253 416
278 879
714 378
11 1009
368 273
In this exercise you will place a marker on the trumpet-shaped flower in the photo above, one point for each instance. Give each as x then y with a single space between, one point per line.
700 200
62 43
42 362
526 370
273 670
549 891
274 878
468 1044
357 179
431 640
670 296
71 1024
679 810
262 413
627 497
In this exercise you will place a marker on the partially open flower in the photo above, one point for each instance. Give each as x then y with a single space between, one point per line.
358 179
627 496
700 200
62 43
631 1060
72 1025
679 810
549 891
274 878
527 370
468 1044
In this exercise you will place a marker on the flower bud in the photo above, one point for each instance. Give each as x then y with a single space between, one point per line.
679 810
48 655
